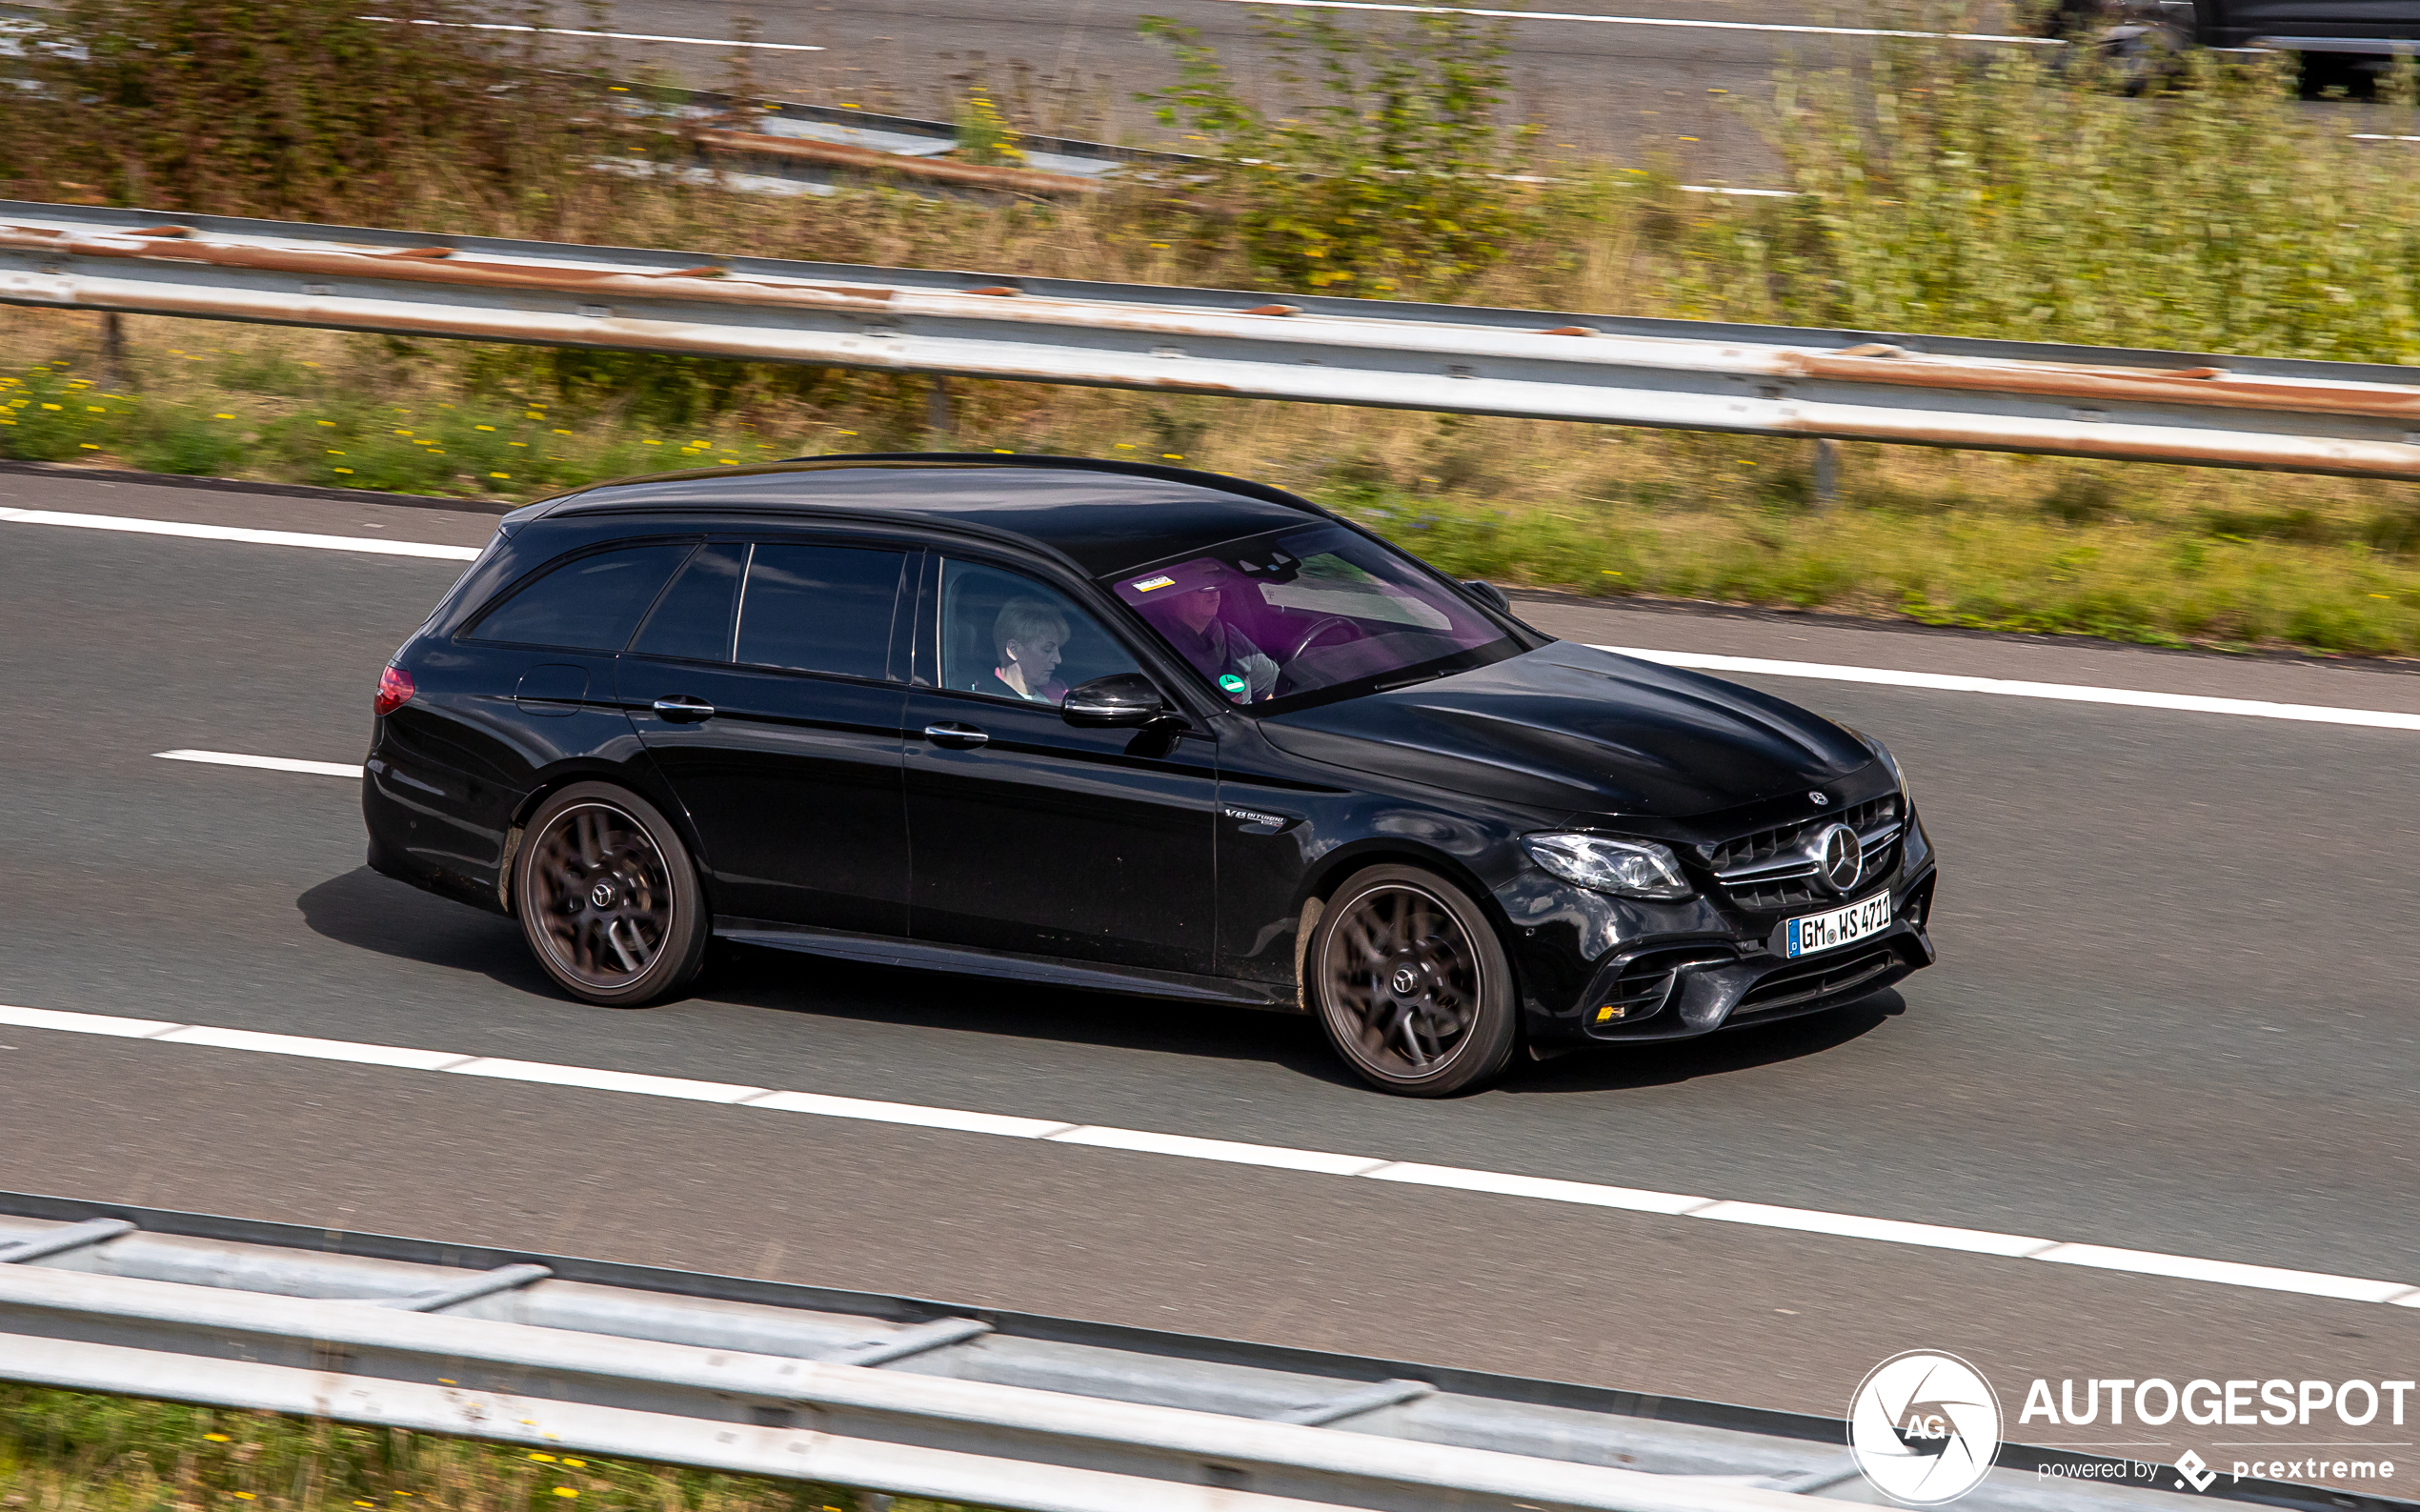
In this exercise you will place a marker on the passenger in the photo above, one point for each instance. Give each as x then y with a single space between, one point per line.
1226 655
1027 636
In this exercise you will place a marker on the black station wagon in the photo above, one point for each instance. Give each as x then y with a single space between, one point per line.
1129 728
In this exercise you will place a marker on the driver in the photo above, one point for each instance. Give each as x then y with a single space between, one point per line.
1242 671
1027 637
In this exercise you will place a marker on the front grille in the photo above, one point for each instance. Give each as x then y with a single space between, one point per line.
1774 898
1794 986
1769 872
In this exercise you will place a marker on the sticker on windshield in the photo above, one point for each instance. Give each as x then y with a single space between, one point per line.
1164 580
1231 684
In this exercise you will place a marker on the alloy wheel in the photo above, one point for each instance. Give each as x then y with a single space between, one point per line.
603 895
1404 979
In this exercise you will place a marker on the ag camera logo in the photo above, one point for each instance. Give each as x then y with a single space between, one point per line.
1924 1427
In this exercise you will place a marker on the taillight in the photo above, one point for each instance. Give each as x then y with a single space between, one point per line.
395 691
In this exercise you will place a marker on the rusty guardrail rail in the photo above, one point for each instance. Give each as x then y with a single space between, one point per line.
2359 420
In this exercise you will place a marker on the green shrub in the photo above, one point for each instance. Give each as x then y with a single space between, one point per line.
1395 179
307 109
46 415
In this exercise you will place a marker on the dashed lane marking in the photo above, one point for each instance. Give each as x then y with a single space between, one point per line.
1231 1152
2062 692
1655 21
236 758
233 533
616 36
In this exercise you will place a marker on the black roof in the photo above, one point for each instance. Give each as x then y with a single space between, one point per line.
1105 516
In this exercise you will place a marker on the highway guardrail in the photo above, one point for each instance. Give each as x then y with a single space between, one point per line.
885 1393
2354 419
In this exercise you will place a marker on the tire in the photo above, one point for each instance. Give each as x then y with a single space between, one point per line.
1410 982
608 898
2144 59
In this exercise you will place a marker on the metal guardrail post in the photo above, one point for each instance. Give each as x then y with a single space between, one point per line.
937 408
2353 419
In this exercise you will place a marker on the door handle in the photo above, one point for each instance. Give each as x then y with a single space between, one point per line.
682 709
957 736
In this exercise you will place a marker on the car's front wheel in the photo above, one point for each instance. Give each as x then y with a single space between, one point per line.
1410 982
607 897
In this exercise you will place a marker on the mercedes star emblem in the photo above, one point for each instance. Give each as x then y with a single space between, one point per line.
1842 857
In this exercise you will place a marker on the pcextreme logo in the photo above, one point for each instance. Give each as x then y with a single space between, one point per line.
1924 1427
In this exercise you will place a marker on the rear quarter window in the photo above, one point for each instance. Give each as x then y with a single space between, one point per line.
588 603
819 608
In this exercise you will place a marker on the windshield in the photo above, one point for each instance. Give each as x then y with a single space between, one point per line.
1280 617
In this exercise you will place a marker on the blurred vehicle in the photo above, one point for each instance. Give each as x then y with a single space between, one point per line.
1121 727
2142 39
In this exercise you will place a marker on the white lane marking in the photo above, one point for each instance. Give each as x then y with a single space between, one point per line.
1889 1230
1544 1188
824 1105
1587 1193
2065 691
231 532
75 1023
2231 1273
618 36
1653 21
597 1078
1191 1148
396 1055
233 758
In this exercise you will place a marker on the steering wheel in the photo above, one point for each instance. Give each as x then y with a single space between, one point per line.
1321 627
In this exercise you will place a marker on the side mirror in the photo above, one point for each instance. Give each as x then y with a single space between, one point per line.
1120 700
1489 593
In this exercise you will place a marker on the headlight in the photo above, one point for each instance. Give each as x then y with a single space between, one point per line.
1896 775
1625 868
1890 763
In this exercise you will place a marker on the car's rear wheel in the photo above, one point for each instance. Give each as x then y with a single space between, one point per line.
1410 982
607 897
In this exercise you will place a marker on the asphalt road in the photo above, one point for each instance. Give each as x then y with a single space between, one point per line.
1669 95
2173 1013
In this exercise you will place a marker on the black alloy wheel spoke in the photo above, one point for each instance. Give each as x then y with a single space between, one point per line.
604 893
1404 979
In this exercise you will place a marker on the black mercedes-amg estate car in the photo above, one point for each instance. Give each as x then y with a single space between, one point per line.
1123 727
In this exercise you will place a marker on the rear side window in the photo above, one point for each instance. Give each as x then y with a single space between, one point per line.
694 618
590 603
819 608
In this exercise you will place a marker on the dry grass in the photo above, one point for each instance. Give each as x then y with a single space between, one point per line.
1943 193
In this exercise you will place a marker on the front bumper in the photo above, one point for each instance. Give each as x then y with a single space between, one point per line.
1685 970
1677 990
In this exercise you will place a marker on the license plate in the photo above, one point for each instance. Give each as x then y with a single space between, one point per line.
1842 926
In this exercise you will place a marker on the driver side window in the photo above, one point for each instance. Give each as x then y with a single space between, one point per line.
1005 635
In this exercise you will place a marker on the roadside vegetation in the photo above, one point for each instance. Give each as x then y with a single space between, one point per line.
66 1451
1956 191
